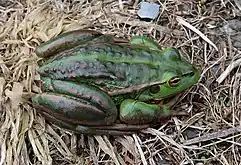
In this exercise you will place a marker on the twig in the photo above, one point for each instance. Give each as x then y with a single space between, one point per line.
238 4
184 23
229 69
127 20
214 135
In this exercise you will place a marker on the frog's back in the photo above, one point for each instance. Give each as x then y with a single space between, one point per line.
112 66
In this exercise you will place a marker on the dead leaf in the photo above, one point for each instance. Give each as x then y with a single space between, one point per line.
107 148
2 84
15 95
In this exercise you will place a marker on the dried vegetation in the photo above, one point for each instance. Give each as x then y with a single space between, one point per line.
209 135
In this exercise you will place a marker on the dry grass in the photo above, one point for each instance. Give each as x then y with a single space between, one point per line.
210 135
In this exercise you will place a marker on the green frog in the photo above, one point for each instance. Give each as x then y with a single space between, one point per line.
95 83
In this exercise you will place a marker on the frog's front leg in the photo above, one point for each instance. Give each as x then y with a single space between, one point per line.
76 104
137 112
145 41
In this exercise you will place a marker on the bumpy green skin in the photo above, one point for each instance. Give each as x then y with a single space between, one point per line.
96 84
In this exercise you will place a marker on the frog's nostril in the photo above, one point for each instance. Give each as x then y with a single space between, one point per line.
189 74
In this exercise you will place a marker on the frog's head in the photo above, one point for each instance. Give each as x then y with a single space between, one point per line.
177 74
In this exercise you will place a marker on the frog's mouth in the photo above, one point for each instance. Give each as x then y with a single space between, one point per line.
156 101
161 101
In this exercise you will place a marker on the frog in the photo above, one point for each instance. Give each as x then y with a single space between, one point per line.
98 84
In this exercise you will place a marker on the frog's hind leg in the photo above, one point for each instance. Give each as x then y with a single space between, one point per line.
66 41
76 103
116 129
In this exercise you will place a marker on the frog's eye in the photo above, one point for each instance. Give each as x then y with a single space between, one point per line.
154 89
174 81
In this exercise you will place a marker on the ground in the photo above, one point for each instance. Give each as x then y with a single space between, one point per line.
205 32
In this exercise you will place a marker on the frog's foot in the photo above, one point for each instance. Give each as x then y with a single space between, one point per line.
172 113
115 129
